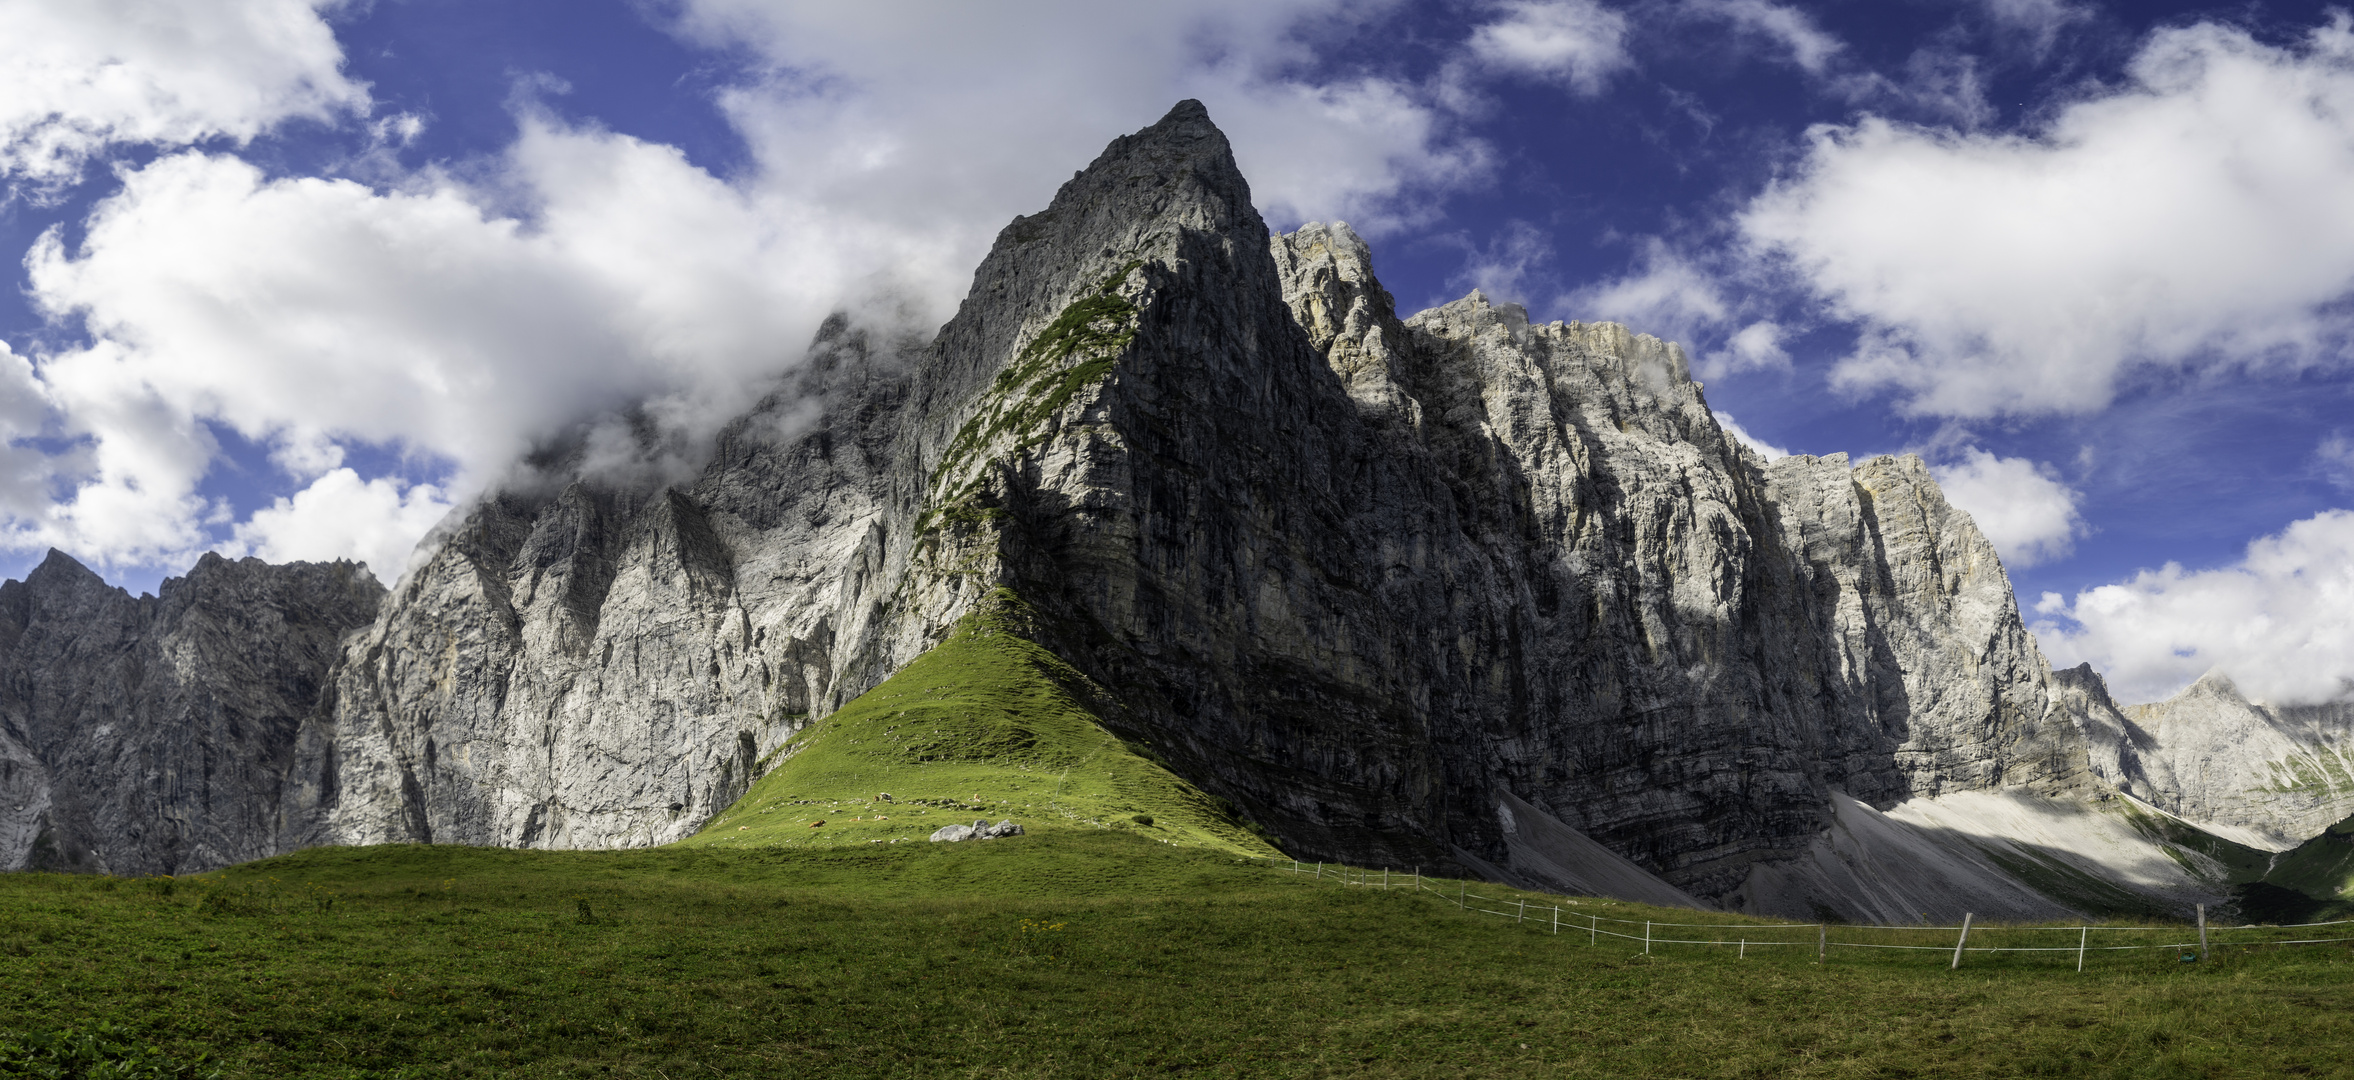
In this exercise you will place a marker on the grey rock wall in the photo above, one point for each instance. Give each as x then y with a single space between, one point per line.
150 734
591 665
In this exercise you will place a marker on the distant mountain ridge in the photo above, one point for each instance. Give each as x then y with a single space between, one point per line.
1453 589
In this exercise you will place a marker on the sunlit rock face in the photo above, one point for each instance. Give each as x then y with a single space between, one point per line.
151 734
1378 581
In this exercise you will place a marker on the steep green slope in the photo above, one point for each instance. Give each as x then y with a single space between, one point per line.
985 725
2310 882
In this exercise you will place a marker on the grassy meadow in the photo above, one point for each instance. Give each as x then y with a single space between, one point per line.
1137 930
1065 955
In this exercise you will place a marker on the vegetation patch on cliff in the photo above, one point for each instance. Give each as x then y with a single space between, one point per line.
1075 351
987 724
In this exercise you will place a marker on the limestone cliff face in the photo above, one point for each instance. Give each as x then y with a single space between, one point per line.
1927 641
147 735
1402 589
597 666
1707 645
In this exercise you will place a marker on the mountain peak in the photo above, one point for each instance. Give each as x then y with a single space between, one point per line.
1168 195
1180 167
1188 110
2217 684
59 568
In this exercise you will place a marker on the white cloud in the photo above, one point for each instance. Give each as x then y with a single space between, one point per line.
2280 622
1754 347
1666 294
79 75
1577 43
2024 510
1808 45
1505 268
2194 218
1669 295
302 312
951 123
1765 449
585 273
24 414
2335 456
340 516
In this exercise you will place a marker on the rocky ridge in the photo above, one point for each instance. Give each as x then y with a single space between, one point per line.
2268 776
151 734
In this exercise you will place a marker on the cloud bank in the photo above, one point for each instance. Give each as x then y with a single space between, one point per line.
304 313
76 78
461 317
2280 621
2194 219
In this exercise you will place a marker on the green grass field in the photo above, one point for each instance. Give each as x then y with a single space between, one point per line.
1135 931
1067 954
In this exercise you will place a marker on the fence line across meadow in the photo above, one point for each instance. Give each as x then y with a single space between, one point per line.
1656 933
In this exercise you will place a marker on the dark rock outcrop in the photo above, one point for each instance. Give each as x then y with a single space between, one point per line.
150 734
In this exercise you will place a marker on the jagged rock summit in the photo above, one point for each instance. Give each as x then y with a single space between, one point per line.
150 734
1454 589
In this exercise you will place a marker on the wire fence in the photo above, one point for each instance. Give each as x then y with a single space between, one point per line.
2193 941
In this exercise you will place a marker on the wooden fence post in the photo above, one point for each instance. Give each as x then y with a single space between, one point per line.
1461 890
2083 934
1822 941
1556 918
1646 937
1961 941
1593 930
1523 911
2203 931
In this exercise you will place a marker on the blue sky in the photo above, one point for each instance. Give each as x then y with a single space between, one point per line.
296 277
